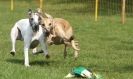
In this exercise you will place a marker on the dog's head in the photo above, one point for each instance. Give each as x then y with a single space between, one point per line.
48 23
34 20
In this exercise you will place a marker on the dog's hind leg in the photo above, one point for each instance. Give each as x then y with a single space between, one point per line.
65 52
14 34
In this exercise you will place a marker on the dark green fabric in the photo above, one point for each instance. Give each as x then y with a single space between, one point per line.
77 70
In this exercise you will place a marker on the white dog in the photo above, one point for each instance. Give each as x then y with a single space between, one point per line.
30 31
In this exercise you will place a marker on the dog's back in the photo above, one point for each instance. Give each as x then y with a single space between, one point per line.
61 24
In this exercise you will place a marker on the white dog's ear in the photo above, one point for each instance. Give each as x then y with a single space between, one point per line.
48 16
29 12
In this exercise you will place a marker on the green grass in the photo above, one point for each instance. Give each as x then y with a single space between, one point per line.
106 46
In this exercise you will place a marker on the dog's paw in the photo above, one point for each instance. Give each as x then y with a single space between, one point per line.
38 52
47 56
12 53
49 42
27 66
34 44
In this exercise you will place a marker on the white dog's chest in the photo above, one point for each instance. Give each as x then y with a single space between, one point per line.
28 34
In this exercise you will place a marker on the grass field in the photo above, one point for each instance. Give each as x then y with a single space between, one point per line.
106 46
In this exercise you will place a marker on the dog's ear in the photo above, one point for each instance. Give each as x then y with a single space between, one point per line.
29 12
39 11
48 16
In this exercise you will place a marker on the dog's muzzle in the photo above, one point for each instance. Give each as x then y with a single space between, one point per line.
35 27
46 32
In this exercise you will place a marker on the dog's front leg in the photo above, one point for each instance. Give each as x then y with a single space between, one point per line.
49 39
42 41
44 48
26 49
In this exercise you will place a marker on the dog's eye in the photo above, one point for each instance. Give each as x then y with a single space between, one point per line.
43 24
50 24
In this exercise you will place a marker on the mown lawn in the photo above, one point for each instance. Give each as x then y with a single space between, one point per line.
106 46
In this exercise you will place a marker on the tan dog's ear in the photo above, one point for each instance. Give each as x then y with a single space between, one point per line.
48 16
39 11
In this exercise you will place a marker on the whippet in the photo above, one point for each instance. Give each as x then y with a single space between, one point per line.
61 32
31 32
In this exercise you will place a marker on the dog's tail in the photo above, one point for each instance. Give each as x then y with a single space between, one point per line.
74 44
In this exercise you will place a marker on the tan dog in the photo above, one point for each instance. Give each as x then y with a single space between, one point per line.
60 33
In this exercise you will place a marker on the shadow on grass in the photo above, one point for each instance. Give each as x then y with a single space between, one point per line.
127 42
40 63
128 68
16 61
123 69
124 45
120 69
109 38
36 62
